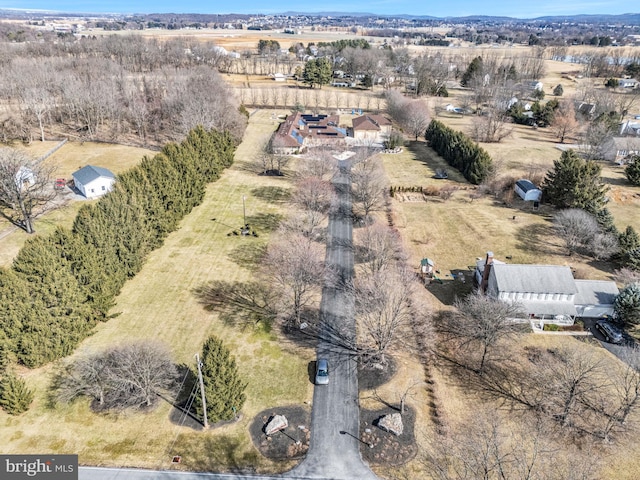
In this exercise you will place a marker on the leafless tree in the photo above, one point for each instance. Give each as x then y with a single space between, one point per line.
313 193
369 186
295 264
127 376
478 326
416 118
492 126
485 446
580 232
384 310
565 123
319 163
380 247
576 228
26 188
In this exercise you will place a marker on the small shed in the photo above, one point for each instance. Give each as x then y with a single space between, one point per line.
93 181
427 267
528 191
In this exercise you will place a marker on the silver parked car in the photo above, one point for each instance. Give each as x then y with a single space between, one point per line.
322 372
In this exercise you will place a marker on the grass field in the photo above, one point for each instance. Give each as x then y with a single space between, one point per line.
160 303
66 160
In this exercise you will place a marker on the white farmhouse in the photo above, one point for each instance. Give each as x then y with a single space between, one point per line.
93 181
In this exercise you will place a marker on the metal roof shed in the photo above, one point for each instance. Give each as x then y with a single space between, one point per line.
528 191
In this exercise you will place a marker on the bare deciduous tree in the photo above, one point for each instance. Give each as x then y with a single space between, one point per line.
295 264
369 185
127 376
385 311
479 325
26 189
565 123
380 248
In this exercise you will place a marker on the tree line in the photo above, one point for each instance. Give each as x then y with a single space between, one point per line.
113 89
60 285
459 151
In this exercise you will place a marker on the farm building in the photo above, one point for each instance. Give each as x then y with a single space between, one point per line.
528 191
93 181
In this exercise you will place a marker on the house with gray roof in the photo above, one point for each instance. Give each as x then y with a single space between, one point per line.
545 293
93 182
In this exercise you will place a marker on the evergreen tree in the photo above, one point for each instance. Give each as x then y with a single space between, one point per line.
627 304
15 397
317 71
632 171
575 183
473 71
558 90
224 390
629 240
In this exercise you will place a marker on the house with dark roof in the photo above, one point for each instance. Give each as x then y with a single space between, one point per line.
545 293
93 181
371 129
300 131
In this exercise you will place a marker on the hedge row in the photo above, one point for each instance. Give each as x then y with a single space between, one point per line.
460 152
61 285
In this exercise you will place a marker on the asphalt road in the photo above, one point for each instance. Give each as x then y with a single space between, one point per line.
334 449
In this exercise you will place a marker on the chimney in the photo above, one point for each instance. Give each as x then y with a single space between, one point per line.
485 273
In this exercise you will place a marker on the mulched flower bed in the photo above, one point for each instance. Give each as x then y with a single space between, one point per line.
370 377
388 449
289 444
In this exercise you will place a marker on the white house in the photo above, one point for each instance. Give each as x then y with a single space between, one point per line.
528 191
620 149
545 293
628 83
93 181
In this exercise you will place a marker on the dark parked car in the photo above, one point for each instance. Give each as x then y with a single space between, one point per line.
610 332
322 372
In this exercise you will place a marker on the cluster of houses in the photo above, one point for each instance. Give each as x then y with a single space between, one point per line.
545 293
300 131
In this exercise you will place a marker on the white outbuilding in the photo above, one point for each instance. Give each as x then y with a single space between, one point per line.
93 181
528 191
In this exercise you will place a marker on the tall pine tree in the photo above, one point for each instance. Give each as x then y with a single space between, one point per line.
224 390
575 183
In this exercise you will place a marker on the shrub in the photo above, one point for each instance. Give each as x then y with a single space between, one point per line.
15 397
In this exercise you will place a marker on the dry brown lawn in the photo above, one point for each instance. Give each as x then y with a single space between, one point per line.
69 158
161 303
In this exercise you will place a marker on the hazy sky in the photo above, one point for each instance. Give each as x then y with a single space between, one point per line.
437 8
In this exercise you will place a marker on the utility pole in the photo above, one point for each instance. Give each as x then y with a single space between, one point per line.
244 212
204 400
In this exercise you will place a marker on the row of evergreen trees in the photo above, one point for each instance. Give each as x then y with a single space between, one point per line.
60 285
460 152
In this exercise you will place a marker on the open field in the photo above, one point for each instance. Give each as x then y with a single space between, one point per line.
161 303
69 158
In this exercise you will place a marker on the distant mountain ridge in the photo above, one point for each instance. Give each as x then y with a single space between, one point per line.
625 18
